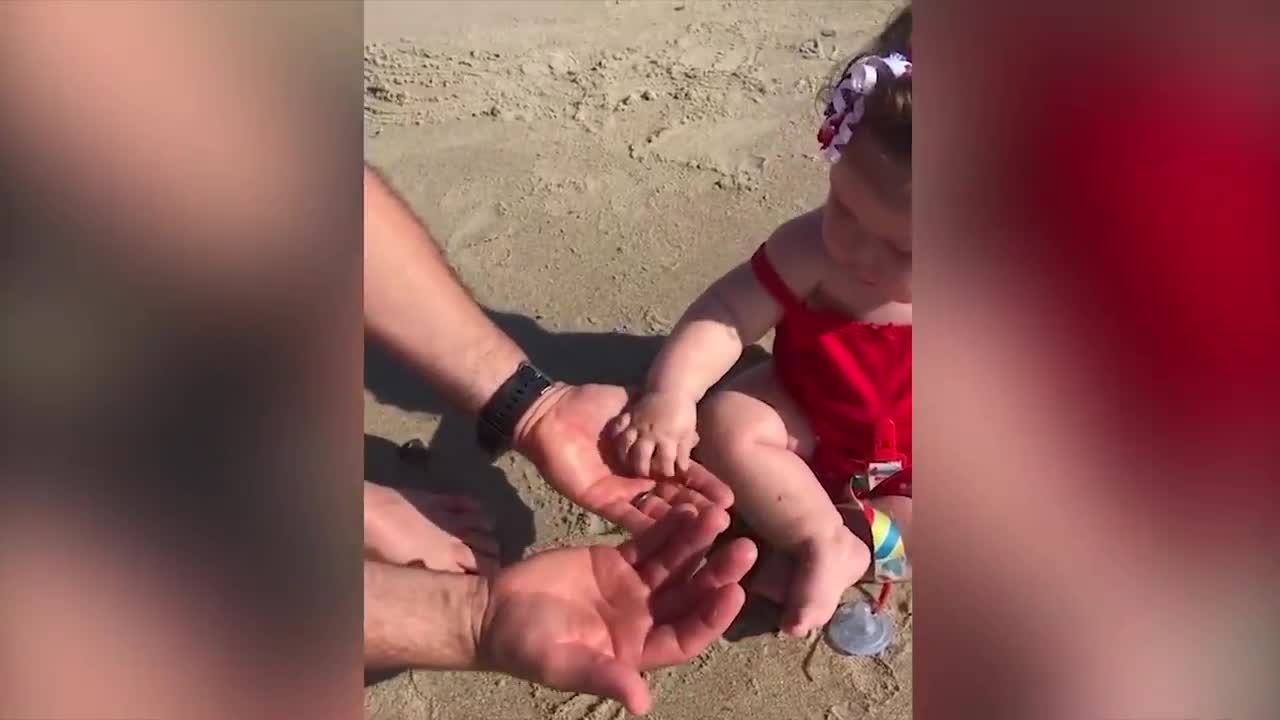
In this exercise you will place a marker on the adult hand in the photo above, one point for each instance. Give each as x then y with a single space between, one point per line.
591 619
563 434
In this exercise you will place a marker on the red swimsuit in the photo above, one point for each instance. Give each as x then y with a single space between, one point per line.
853 381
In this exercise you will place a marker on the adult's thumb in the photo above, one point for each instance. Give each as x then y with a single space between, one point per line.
577 668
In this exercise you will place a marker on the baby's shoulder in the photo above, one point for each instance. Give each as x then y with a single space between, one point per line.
795 251
802 233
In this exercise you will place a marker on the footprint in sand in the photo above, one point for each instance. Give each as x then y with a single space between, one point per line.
724 147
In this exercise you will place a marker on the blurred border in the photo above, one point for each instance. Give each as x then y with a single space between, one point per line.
1096 352
180 302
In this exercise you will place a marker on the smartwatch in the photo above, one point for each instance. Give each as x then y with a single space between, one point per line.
496 426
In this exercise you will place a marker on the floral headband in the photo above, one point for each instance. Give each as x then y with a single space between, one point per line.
848 100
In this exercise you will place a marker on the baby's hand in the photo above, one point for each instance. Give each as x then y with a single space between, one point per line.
655 437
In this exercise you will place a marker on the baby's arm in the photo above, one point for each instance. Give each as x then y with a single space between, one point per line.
659 432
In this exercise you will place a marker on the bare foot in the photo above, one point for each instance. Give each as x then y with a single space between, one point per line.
825 567
779 576
771 577
448 533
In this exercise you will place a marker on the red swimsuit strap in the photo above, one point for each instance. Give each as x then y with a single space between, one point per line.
773 282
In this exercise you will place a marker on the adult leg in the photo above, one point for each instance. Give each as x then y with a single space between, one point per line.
439 532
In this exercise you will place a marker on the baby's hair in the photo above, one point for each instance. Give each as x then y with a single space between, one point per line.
888 108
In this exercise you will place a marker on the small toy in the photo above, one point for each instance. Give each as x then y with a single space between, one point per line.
861 628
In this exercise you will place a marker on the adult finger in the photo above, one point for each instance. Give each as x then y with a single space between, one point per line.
611 497
636 518
656 506
686 546
640 548
629 517
581 669
708 485
689 633
726 566
677 494
463 557
640 457
616 426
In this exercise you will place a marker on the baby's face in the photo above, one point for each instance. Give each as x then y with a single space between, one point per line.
866 224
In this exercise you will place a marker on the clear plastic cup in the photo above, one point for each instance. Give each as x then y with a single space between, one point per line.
855 630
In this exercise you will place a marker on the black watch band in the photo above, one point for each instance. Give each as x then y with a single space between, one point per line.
497 423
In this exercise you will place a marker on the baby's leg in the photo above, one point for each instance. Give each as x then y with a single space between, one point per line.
755 438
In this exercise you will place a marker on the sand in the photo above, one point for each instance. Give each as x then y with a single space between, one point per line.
590 167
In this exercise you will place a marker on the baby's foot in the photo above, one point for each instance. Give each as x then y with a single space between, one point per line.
771 577
824 567
774 571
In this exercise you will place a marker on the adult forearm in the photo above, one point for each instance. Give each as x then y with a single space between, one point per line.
421 618
416 306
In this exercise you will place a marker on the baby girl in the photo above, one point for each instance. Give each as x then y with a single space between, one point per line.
816 443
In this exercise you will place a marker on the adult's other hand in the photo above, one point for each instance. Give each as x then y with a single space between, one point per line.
591 619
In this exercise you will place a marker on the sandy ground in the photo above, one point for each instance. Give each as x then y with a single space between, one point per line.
590 166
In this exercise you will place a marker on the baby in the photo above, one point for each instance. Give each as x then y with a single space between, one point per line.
816 443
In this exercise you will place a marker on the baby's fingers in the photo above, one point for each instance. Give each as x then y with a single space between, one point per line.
664 458
684 453
640 456
624 442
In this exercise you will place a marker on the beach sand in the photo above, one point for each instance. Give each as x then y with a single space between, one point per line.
590 166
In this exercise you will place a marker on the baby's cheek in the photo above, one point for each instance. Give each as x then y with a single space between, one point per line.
904 292
843 246
869 263
902 286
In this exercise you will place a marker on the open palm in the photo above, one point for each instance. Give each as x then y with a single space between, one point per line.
591 619
563 434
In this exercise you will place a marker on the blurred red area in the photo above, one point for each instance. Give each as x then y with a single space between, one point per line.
1098 227
1098 402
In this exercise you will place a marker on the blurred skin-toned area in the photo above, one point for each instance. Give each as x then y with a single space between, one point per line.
1097 225
180 309
1095 371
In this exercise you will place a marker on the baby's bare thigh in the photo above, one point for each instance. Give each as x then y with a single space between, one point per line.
754 407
